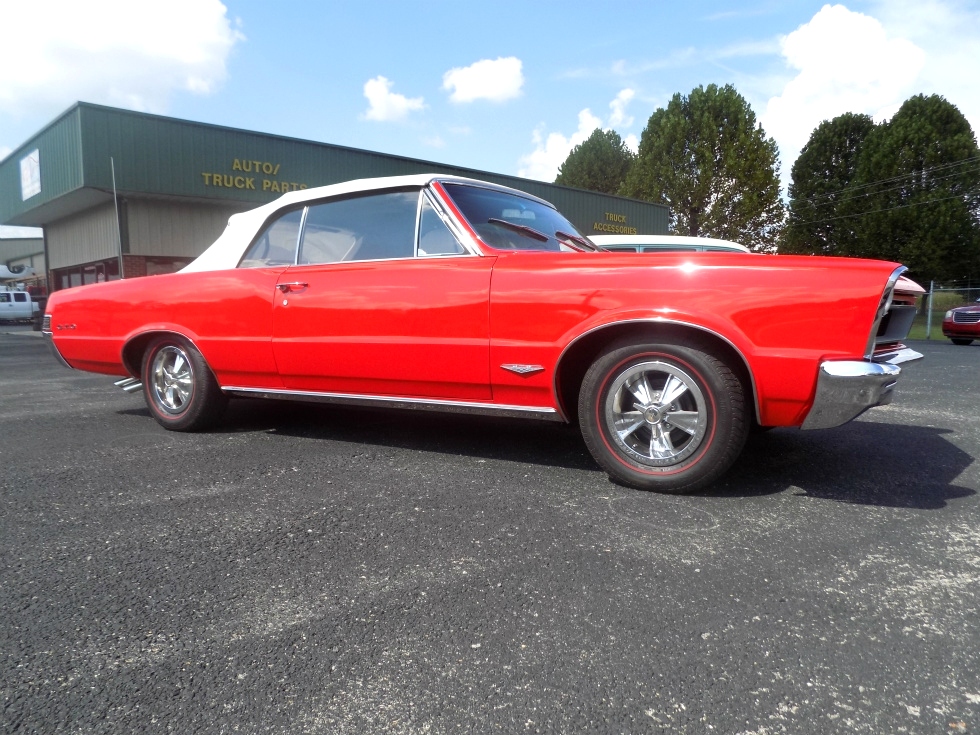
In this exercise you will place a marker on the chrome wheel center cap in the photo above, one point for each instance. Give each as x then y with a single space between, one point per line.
653 415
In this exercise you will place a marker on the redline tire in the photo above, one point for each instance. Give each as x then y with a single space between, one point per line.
179 387
667 417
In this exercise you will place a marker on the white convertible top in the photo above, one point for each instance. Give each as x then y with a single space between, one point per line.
227 250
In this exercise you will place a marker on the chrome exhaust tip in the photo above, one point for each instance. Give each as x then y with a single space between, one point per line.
130 385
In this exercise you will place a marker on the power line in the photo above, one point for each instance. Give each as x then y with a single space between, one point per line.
850 189
932 180
879 211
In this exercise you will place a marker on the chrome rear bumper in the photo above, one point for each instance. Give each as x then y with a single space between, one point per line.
848 388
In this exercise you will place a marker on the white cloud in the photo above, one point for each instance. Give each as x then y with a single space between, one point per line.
386 105
845 62
617 116
947 30
495 80
550 153
117 52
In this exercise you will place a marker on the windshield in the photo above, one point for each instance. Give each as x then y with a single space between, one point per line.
512 222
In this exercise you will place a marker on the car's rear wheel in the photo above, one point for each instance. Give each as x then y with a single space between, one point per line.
664 417
179 387
961 341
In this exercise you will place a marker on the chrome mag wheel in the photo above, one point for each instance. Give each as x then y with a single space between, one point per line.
171 379
656 413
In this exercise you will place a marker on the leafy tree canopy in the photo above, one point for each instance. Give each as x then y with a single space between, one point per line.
599 163
916 191
823 172
705 157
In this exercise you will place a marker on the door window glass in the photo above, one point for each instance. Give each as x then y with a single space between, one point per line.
4 298
370 227
277 243
21 297
435 238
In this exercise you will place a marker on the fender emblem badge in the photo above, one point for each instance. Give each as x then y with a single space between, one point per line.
523 369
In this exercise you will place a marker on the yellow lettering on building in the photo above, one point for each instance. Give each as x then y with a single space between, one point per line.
282 186
245 165
249 166
613 229
611 217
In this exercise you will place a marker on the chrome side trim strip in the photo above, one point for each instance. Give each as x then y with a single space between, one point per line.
418 404
659 320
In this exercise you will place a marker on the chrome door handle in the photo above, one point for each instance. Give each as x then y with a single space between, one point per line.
287 287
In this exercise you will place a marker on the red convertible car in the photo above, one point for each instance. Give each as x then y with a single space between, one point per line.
452 294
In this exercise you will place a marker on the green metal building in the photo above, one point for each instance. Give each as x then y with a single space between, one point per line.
110 186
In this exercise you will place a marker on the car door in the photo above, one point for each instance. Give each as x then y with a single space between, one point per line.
6 306
365 311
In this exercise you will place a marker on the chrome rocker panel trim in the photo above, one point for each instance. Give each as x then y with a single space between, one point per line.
418 404
848 388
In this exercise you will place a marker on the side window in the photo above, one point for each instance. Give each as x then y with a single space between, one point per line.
369 227
4 298
277 243
20 297
435 238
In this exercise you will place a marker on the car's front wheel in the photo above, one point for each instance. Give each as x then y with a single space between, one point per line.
179 387
961 341
664 417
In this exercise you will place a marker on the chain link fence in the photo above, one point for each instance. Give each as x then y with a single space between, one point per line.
934 305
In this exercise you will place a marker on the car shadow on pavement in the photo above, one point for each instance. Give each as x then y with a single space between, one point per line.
862 462
486 437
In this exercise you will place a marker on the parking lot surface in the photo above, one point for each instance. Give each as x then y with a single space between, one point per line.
306 569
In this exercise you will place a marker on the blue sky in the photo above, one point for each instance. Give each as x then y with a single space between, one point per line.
504 86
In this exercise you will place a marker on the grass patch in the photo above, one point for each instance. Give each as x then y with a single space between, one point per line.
918 331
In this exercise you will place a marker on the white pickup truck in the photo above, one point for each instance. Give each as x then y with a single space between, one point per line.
16 306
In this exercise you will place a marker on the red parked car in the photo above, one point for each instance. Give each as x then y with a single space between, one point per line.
962 324
434 292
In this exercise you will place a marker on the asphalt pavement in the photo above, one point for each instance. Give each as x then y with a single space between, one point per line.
307 569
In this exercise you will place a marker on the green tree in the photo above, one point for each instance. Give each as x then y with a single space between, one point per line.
599 163
824 170
916 191
705 157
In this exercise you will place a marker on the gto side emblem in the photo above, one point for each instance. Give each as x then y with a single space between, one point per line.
523 369
66 326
